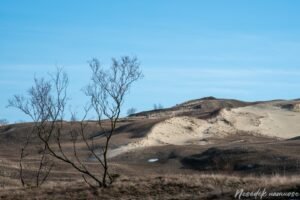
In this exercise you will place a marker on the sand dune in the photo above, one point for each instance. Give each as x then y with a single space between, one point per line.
265 119
261 119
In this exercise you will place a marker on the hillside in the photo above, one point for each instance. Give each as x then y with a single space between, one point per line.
198 138
202 108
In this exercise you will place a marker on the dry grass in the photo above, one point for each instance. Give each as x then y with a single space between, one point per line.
206 186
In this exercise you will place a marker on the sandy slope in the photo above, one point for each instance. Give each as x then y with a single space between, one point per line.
264 119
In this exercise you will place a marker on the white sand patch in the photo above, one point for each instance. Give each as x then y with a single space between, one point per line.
153 160
177 131
296 108
266 120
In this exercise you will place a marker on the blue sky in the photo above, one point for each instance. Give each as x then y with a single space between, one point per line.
246 49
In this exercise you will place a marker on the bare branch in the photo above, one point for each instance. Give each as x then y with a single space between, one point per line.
46 104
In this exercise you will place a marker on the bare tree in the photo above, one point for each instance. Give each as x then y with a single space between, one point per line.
157 106
131 111
73 117
3 122
107 91
46 106
36 108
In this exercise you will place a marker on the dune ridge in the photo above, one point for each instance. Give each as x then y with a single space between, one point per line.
262 119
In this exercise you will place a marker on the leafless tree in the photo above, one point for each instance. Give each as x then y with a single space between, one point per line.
35 107
157 106
131 111
46 106
107 91
3 122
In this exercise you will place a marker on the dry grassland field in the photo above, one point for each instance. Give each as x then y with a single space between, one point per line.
201 149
